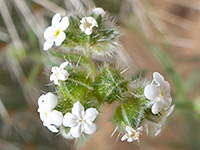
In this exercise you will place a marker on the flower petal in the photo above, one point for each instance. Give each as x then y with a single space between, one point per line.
167 102
130 139
63 75
60 38
88 31
124 137
78 110
56 19
49 33
157 106
70 120
151 91
52 128
91 114
47 45
130 130
98 11
158 78
89 128
56 118
76 131
63 65
48 101
64 24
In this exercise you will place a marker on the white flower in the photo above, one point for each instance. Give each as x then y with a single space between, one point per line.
98 11
159 92
47 102
80 121
87 25
55 33
59 73
167 114
52 119
132 134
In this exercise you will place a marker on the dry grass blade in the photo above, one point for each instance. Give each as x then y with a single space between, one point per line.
193 5
3 111
10 26
173 19
141 16
51 6
4 36
30 19
182 42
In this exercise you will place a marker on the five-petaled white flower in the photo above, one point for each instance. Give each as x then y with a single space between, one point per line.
87 25
52 119
59 73
80 121
98 11
132 134
164 118
55 33
159 92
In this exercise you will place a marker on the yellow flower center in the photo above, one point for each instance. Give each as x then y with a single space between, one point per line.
57 33
162 93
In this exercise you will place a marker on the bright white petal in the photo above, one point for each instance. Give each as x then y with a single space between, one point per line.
47 45
91 114
70 120
78 110
158 78
60 38
89 128
88 31
48 101
52 128
76 131
124 137
55 118
56 82
157 106
49 33
53 77
64 24
151 91
43 116
63 65
98 11
56 19
54 69
82 27
130 139
63 75
130 130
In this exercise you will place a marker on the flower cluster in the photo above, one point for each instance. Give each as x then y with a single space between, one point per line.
78 121
82 88
52 119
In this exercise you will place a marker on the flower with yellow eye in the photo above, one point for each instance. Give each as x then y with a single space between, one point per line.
55 33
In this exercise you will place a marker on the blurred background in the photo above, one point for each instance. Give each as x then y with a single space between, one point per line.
158 35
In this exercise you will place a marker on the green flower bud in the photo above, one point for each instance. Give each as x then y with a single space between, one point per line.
78 87
129 113
110 85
